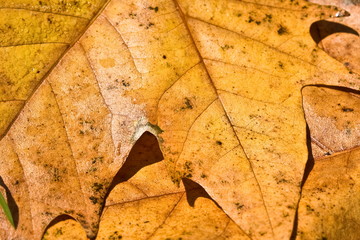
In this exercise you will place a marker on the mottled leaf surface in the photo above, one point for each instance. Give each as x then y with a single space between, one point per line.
217 82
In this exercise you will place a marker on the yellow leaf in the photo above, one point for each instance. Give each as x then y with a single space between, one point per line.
33 36
217 82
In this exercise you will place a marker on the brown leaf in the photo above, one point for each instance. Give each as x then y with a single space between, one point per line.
218 83
344 45
146 205
333 117
329 206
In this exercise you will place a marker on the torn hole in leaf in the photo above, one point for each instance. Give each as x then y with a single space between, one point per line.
339 41
64 227
333 116
321 29
145 152
145 200
194 191
14 209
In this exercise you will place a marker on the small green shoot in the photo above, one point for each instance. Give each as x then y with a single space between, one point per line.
6 209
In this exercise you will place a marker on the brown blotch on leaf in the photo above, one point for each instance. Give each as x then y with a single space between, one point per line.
282 30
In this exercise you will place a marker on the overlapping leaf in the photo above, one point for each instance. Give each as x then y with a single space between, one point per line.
333 119
218 82
329 207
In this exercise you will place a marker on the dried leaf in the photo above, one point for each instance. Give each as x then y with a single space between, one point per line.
344 46
329 206
33 36
219 84
333 118
146 205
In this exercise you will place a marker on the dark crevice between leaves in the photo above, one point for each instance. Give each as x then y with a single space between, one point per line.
322 29
194 191
11 203
308 168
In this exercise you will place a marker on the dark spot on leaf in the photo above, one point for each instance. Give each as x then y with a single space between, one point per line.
125 84
250 20
345 109
239 206
281 65
226 47
164 56
58 232
282 30
156 9
94 200
132 15
97 187
188 104
97 159
309 208
149 25
115 236
268 18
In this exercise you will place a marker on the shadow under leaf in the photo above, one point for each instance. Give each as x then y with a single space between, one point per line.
322 29
194 191
145 152
11 203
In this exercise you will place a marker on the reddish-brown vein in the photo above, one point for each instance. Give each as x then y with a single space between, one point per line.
250 98
269 6
144 198
167 216
98 85
45 12
12 100
94 74
36 43
68 141
122 39
52 67
12 143
321 145
242 66
183 16
189 130
225 228
135 186
171 85
255 40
